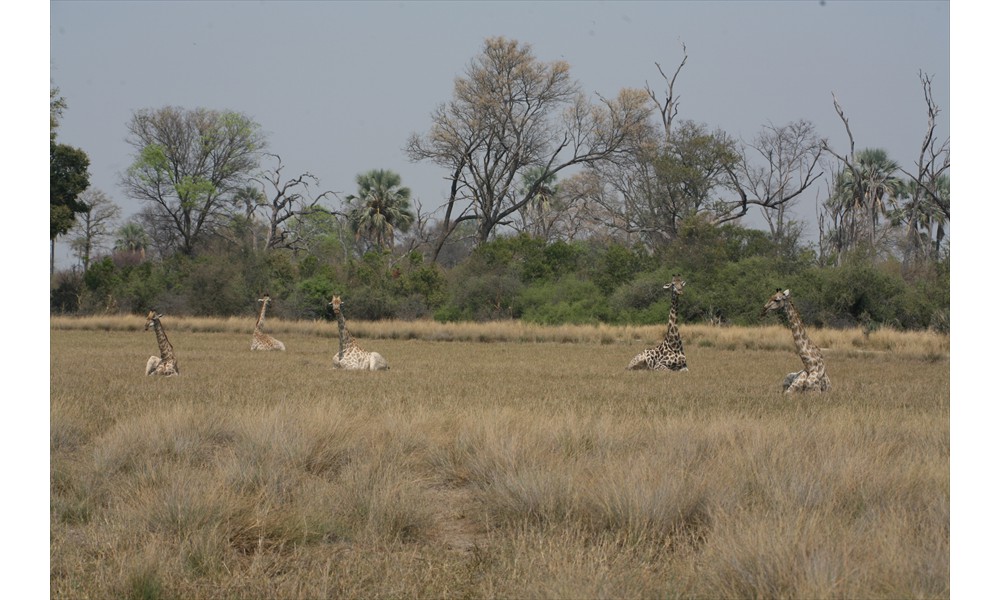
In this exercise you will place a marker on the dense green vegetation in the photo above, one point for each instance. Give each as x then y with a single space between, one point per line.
730 272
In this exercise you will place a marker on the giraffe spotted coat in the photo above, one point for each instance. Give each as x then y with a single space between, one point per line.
351 356
813 378
669 355
166 363
262 341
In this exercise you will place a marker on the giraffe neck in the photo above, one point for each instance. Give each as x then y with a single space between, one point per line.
807 350
166 350
260 320
672 339
346 340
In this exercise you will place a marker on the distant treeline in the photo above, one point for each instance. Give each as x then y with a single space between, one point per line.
730 272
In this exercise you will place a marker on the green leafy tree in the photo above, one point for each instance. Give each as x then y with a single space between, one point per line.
380 208
189 165
68 178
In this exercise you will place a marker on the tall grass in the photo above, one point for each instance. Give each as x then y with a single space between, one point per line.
515 468
928 344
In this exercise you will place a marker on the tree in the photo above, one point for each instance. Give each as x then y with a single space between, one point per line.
660 186
539 216
188 164
510 112
93 225
57 104
132 239
68 178
380 208
865 190
686 170
929 192
283 201
775 169
924 219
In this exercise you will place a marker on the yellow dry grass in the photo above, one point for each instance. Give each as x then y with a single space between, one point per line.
495 460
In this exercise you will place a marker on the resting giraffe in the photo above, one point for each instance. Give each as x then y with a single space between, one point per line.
351 356
262 341
166 363
813 378
669 355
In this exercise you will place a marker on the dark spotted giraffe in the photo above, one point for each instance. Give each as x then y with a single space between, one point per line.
669 355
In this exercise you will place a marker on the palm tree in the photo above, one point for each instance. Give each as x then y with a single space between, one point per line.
132 238
925 219
874 185
380 208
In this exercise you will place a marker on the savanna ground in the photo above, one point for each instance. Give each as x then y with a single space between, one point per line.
495 461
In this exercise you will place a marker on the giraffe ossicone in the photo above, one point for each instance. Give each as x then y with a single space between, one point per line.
166 363
669 355
813 378
262 341
351 356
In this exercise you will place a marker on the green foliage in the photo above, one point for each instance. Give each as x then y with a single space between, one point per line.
68 178
730 272
566 300
618 265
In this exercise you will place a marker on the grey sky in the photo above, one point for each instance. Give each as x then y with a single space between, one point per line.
339 86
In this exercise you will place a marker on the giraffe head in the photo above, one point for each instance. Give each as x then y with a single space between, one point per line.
777 301
335 303
150 318
265 300
676 286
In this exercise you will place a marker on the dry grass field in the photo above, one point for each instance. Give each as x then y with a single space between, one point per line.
494 461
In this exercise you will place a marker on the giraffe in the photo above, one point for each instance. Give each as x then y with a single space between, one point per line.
813 378
351 356
262 341
669 355
166 363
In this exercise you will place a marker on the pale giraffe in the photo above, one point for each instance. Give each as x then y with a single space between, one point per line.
166 363
262 341
669 355
813 378
351 356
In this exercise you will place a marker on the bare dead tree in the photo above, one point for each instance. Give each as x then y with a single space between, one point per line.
93 226
775 169
929 206
287 199
669 107
934 160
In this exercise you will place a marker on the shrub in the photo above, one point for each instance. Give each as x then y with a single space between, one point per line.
568 300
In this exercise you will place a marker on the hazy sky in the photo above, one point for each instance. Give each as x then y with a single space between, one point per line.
339 86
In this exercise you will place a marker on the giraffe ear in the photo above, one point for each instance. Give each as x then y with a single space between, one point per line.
786 293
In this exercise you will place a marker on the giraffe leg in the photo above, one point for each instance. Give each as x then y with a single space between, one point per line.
152 364
377 363
789 379
799 384
638 363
